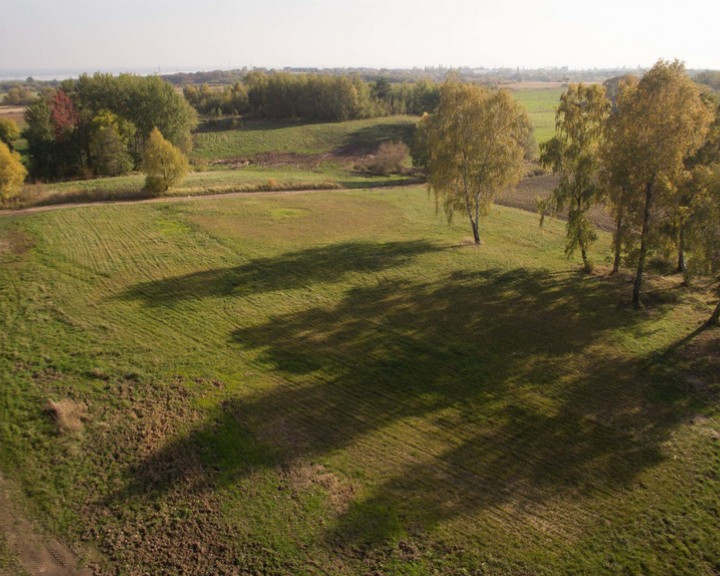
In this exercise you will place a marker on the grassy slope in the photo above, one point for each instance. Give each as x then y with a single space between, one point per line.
338 383
254 137
257 137
254 178
260 136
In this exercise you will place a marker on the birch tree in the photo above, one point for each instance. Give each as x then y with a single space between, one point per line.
660 124
572 154
475 143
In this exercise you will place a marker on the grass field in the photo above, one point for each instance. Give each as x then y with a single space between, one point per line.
261 136
274 156
338 383
258 137
541 104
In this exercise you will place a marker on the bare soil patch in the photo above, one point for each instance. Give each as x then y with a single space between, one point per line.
164 516
15 113
15 244
530 188
33 551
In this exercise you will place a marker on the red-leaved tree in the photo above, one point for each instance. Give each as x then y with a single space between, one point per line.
63 115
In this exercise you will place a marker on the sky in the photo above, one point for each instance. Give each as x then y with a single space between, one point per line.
170 35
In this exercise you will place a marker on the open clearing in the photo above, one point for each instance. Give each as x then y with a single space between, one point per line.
338 383
14 113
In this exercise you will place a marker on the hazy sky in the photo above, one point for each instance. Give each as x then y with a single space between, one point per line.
97 34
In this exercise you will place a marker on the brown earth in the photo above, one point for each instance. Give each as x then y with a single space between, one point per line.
31 551
15 113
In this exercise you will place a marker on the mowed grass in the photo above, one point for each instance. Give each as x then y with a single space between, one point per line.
339 383
253 137
541 105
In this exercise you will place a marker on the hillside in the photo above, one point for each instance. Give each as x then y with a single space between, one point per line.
339 383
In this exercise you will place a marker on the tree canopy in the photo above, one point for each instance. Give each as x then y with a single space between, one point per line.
657 126
63 126
475 142
12 173
9 132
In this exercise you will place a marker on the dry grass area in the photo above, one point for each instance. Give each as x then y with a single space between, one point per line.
15 113
68 415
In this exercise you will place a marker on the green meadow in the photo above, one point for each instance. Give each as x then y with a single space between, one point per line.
251 137
338 382
541 104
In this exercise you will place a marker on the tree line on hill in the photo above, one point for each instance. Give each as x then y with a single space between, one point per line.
313 97
98 125
650 153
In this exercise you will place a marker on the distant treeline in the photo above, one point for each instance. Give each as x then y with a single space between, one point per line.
709 78
480 75
313 97
99 124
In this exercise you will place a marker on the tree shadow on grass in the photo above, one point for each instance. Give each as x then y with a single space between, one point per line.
288 271
367 140
484 389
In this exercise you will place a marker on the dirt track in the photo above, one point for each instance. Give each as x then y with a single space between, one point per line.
31 550
523 197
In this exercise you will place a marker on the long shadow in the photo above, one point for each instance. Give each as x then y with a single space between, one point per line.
284 272
486 361
251 124
369 138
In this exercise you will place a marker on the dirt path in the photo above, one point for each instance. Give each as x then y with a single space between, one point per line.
524 197
31 551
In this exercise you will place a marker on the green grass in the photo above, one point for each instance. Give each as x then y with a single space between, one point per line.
339 383
248 179
260 136
541 104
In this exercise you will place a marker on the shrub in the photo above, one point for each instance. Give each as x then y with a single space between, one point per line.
12 173
9 131
390 158
163 164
